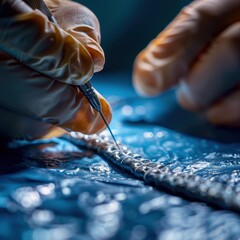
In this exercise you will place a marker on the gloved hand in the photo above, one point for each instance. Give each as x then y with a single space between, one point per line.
40 66
200 53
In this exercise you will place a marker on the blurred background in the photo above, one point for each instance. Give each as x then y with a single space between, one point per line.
127 26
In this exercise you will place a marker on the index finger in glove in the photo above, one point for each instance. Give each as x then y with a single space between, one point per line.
38 97
169 57
81 23
215 74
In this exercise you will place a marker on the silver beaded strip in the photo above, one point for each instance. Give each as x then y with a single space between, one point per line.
160 176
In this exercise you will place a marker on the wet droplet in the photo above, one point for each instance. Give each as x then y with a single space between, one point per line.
127 110
27 197
110 207
41 217
148 135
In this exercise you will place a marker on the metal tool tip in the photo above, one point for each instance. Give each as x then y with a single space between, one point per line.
109 129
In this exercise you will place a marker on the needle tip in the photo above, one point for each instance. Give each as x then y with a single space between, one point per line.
109 129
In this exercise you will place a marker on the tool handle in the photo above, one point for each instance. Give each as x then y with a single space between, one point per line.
89 92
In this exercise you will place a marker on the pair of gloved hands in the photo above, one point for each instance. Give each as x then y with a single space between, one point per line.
41 64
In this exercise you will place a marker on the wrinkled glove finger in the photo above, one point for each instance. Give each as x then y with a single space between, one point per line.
70 14
169 57
92 46
215 73
38 97
81 23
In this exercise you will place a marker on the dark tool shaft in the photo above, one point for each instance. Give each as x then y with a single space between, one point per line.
89 92
87 89
109 129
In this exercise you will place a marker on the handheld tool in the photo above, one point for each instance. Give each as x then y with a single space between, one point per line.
87 89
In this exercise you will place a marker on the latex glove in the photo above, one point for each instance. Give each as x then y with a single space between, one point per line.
40 64
200 53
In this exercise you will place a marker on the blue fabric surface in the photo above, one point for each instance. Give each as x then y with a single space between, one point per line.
53 190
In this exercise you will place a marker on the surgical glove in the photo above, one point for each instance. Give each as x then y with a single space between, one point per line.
40 66
199 53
